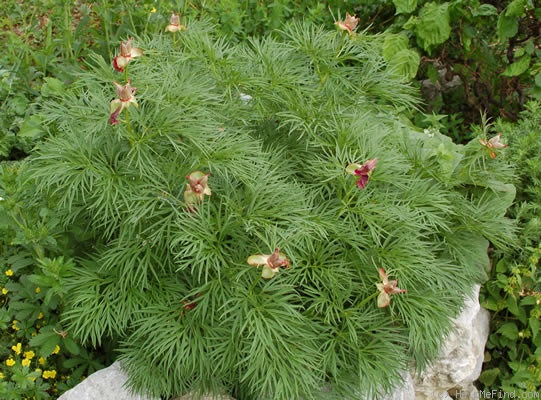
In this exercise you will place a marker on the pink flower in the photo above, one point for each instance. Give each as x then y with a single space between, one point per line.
196 188
386 288
493 143
271 263
362 171
174 24
349 24
125 99
127 53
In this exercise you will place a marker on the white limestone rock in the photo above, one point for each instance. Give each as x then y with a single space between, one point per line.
106 384
461 357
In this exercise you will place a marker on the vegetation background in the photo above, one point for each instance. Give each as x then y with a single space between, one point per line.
473 61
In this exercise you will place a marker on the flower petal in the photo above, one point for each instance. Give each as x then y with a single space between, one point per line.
351 168
136 52
268 272
258 259
362 181
383 300
115 104
383 276
113 118
119 63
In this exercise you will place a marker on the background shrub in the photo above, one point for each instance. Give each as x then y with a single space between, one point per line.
513 293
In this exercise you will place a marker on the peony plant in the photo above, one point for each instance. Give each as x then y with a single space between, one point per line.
239 150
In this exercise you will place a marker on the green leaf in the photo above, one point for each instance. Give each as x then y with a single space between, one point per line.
42 281
52 87
46 340
31 128
528 301
405 63
485 10
433 27
509 330
71 346
23 310
488 377
411 23
490 304
535 325
507 27
517 311
518 67
515 8
501 266
392 45
405 6
432 73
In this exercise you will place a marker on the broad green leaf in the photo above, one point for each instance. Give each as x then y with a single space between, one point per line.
490 304
31 128
405 6
538 80
411 23
46 340
519 312
509 330
433 27
71 346
432 73
489 376
392 45
501 266
518 67
485 10
507 27
515 8
405 63
52 87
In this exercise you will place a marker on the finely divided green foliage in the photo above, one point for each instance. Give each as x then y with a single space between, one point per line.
173 284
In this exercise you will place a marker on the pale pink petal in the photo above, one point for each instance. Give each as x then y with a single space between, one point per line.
258 259
268 272
383 300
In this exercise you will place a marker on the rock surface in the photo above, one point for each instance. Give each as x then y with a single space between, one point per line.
105 384
461 357
454 372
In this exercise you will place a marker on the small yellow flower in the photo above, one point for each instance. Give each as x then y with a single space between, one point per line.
40 315
56 349
153 10
17 348
38 289
25 362
10 362
1 375
9 272
41 361
49 374
14 325
5 291
29 354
